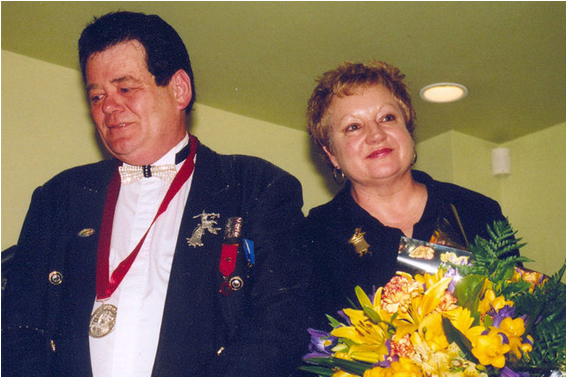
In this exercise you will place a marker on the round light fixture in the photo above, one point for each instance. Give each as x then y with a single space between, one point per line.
443 92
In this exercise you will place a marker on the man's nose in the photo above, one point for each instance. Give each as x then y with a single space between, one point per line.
111 104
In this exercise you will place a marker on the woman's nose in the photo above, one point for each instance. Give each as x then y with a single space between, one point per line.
375 133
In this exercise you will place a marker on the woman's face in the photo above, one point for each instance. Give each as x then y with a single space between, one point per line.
369 140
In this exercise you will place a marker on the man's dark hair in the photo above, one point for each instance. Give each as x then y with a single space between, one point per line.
165 50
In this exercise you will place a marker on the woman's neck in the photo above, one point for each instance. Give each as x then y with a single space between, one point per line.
397 203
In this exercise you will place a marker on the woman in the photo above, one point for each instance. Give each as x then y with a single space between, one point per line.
361 118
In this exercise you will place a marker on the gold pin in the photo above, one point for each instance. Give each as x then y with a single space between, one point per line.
359 243
55 278
86 232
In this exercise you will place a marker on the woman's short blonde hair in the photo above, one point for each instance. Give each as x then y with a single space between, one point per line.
344 81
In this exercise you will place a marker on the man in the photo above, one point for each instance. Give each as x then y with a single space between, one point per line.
170 260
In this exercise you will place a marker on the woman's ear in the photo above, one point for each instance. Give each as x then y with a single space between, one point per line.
331 157
181 84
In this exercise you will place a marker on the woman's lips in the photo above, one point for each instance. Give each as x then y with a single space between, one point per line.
380 153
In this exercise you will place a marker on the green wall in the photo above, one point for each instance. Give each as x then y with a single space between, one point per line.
46 128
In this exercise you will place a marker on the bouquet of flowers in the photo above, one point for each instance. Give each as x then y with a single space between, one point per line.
486 317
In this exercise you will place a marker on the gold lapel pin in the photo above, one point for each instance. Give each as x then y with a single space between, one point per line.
85 233
359 243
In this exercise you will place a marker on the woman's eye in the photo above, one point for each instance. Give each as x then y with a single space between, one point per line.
352 127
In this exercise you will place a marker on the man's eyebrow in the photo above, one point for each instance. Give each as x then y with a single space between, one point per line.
125 79
118 80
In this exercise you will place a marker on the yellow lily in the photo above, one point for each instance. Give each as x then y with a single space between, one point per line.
462 320
432 330
369 338
368 353
430 279
421 306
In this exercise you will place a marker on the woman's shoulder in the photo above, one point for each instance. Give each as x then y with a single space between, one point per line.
330 209
452 192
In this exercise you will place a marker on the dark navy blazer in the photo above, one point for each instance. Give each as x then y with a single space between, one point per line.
256 331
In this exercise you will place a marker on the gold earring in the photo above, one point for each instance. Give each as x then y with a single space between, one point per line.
338 176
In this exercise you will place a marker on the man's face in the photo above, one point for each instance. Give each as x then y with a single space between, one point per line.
138 121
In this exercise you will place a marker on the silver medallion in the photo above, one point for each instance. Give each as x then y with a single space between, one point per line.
103 320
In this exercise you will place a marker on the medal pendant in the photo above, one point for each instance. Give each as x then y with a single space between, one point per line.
103 320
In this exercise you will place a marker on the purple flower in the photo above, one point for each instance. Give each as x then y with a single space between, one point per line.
505 312
507 372
321 344
342 314
454 274
387 361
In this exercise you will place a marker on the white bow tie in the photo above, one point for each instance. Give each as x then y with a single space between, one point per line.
130 173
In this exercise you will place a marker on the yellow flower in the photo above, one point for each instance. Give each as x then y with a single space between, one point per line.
491 301
534 278
527 347
362 330
341 373
402 368
368 353
430 279
490 350
433 333
369 338
484 305
421 307
514 329
462 320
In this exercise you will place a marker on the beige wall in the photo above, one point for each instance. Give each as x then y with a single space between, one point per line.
46 128
535 195
532 196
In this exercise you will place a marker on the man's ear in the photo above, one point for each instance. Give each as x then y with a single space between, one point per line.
331 157
181 84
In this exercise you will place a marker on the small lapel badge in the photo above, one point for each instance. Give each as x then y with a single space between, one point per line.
233 229
229 285
55 278
359 243
85 233
236 283
208 223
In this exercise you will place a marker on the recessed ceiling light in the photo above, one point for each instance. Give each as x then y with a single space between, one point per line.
443 92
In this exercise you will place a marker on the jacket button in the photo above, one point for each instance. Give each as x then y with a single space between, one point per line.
55 277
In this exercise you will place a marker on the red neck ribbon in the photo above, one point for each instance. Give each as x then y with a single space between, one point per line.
105 286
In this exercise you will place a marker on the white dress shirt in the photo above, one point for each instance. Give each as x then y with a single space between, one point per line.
130 349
